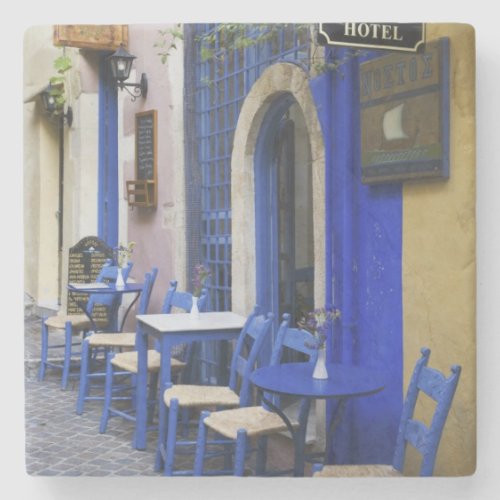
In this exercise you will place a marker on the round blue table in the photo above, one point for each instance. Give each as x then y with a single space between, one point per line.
295 379
106 289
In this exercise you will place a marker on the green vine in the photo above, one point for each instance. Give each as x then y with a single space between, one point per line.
225 38
62 64
168 41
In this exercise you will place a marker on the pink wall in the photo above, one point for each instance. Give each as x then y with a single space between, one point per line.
155 243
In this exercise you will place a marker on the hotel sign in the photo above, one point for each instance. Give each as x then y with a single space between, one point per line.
404 104
394 36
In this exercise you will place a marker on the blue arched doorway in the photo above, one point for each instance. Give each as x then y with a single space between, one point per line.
284 212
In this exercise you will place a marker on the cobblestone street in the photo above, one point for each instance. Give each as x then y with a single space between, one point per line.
61 443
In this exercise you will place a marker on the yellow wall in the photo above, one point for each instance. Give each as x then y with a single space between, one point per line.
439 262
41 171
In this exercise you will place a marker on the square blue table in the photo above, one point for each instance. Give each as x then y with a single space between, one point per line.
170 330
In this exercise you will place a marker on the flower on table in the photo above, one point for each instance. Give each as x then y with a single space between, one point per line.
318 322
124 253
201 274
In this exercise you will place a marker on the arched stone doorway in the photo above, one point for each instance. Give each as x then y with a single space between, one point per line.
281 95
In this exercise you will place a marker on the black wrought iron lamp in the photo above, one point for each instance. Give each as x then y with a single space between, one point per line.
51 107
120 63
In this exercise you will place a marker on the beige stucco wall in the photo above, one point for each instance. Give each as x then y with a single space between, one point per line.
160 234
439 262
41 163
41 166
41 171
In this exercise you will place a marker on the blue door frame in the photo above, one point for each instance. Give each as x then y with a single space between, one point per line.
363 244
107 225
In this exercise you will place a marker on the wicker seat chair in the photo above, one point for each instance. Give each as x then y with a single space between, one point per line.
425 439
104 342
126 363
182 398
76 325
239 426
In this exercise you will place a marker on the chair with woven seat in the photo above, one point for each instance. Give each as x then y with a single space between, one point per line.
126 363
104 342
185 397
424 439
238 426
77 324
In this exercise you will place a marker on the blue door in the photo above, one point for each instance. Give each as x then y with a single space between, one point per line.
284 226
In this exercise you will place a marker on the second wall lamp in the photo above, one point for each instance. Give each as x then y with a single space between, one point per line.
120 63
51 106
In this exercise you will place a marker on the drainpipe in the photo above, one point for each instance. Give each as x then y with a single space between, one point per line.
329 197
60 206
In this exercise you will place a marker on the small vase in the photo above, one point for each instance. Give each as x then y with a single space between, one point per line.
120 282
320 371
195 312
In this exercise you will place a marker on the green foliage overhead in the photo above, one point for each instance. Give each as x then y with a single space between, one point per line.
168 41
62 64
224 38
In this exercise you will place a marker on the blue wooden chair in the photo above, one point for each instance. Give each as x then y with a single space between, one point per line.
183 397
425 439
239 425
76 324
104 342
126 363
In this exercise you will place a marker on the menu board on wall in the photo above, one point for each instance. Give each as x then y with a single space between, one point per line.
86 259
143 190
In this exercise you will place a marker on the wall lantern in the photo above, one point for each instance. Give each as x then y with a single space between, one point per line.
50 106
120 63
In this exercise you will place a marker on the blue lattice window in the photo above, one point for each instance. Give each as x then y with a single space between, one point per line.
220 85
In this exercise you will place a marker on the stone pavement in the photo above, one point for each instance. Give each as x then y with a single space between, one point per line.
61 443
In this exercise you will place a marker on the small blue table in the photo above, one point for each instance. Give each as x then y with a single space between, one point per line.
106 289
170 330
295 379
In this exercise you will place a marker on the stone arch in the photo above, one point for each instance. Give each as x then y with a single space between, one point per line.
276 80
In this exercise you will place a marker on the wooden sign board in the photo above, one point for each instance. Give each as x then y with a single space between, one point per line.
404 102
142 192
86 259
91 36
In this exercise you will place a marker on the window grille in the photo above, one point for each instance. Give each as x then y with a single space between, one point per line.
221 84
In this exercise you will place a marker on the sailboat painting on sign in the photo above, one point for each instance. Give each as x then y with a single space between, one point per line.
405 116
392 124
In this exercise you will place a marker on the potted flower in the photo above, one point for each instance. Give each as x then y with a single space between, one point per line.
201 274
123 256
318 322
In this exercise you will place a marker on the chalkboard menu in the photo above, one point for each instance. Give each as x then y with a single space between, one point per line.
142 192
86 259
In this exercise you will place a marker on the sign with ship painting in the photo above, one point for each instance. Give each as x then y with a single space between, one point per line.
404 102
